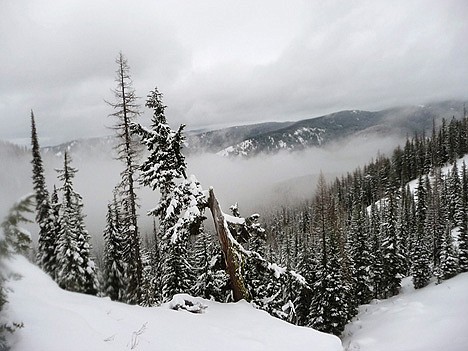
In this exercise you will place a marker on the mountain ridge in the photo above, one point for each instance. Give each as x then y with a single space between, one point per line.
272 137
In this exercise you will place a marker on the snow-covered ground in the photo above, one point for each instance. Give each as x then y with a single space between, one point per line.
430 319
434 318
57 320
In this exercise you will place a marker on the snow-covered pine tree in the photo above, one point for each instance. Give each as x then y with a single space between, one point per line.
421 269
463 232
212 281
454 188
148 283
182 202
448 262
376 246
329 310
47 243
16 238
126 110
307 267
361 255
391 257
114 267
405 228
76 270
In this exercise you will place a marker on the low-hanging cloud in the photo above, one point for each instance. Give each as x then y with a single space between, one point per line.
259 184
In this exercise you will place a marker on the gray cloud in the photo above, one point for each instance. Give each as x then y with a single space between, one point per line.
224 62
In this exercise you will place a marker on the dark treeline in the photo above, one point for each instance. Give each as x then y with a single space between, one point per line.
311 265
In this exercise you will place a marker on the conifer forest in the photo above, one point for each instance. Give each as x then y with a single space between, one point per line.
311 263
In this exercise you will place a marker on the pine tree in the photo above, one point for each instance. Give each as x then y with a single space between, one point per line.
329 311
76 270
454 189
376 246
114 267
308 265
463 231
149 294
391 257
421 269
182 203
448 266
17 239
212 280
362 257
47 243
126 110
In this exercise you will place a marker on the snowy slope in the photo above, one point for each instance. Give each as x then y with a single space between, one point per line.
433 318
56 320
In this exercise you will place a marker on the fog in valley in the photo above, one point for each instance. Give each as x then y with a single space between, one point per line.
260 184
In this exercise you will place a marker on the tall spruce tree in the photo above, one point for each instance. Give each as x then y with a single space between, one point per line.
421 269
47 242
361 256
391 257
463 232
114 266
448 266
126 110
76 269
182 202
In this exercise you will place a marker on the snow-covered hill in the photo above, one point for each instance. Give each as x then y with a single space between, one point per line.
430 319
433 318
57 320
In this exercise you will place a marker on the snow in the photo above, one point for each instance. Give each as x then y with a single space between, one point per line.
234 220
57 320
444 171
433 318
277 270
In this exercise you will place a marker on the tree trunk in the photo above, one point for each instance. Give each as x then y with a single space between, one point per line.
232 256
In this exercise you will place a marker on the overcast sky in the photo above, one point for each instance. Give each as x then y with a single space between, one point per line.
224 62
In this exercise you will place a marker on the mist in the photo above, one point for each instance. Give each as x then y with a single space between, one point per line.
259 184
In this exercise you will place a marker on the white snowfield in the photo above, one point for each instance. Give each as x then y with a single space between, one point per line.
434 318
57 320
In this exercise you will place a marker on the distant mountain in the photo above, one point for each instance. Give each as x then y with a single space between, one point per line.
272 137
216 140
97 147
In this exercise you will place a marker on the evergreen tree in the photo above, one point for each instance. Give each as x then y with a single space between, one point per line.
448 266
76 270
329 311
391 257
212 280
362 257
182 203
13 240
126 110
308 266
455 196
149 294
421 269
47 243
114 266
463 231
17 239
376 246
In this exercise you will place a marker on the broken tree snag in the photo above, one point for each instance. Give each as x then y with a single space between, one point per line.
232 254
